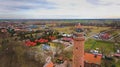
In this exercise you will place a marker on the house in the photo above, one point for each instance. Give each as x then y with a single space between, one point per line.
3 33
66 39
92 60
3 30
117 55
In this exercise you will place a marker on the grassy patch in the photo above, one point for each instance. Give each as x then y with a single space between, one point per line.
96 29
64 29
92 44
118 64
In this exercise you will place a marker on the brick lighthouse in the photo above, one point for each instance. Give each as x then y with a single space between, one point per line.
78 49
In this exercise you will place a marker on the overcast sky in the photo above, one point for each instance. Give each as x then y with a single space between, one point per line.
55 9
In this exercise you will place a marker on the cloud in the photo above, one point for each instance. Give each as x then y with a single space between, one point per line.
104 2
21 9
98 2
18 5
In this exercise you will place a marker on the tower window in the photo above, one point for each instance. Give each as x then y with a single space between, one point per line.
76 47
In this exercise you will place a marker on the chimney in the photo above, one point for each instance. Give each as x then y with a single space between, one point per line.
95 55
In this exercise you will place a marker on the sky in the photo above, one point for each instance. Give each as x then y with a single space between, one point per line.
59 9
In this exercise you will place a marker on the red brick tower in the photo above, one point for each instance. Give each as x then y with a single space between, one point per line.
78 50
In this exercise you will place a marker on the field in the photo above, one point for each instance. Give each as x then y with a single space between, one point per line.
102 45
64 29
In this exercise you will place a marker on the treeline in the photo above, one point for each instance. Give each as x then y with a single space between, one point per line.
99 23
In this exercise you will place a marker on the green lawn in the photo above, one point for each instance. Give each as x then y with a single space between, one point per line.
102 45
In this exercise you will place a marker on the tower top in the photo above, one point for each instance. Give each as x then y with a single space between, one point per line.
78 32
78 25
78 28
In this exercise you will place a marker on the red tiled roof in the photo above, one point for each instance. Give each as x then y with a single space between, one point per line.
117 54
49 64
90 58
68 39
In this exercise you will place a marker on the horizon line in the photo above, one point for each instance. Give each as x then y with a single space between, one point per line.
60 19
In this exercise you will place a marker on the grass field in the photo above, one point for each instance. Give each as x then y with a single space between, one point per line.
95 29
102 45
118 64
64 29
